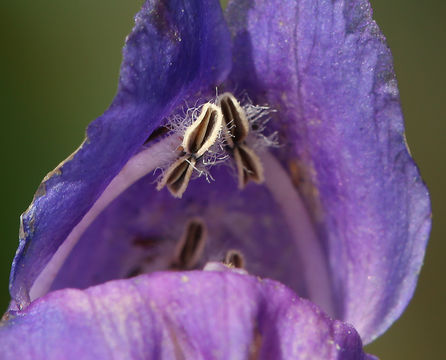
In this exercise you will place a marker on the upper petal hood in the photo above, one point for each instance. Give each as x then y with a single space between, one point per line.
176 49
325 67
189 315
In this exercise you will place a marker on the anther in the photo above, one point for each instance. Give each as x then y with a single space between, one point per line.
235 259
191 246
204 131
234 118
178 175
249 167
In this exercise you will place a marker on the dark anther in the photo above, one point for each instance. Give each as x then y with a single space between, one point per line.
235 259
191 246
234 117
249 167
177 176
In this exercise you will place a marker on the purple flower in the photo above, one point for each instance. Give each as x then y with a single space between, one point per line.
307 180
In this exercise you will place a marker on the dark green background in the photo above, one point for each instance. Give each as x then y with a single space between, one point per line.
59 70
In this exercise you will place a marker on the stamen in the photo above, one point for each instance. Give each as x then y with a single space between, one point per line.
248 166
198 139
191 246
247 163
234 117
234 258
203 132
177 176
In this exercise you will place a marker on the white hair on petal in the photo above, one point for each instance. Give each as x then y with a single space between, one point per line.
258 118
220 151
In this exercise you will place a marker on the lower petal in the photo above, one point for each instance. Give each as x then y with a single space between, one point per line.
183 315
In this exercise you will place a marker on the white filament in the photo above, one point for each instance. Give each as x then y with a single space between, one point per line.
138 166
312 257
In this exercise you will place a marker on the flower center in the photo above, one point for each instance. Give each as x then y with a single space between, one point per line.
263 227
219 128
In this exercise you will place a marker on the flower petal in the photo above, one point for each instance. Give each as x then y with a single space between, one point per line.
176 49
325 67
189 315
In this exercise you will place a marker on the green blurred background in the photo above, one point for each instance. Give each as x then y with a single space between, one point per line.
59 70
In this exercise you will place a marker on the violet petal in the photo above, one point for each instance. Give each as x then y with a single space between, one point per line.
325 66
184 44
182 315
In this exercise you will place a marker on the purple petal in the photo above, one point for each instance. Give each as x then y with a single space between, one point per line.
176 49
188 315
325 67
